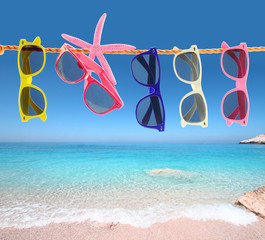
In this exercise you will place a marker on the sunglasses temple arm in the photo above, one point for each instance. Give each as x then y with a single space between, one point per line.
26 92
147 115
241 108
88 61
151 80
106 67
28 100
200 107
238 62
34 106
242 60
154 104
26 62
193 66
194 60
85 60
194 69
241 104
190 113
152 67
157 111
234 114
142 61
25 101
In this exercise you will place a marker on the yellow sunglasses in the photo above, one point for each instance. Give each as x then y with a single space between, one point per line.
31 60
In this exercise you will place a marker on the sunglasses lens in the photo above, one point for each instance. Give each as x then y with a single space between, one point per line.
31 59
145 69
69 68
235 105
187 66
98 99
235 63
193 109
32 101
150 111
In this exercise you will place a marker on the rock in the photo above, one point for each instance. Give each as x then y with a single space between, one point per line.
110 225
165 171
254 201
257 140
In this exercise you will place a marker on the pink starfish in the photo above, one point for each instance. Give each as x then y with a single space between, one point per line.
96 50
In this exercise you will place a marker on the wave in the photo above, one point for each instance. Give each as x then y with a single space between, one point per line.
36 215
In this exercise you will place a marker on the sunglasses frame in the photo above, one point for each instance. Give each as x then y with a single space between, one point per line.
154 90
241 83
195 85
89 66
26 79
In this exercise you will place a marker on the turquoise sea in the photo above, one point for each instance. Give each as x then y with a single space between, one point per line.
42 183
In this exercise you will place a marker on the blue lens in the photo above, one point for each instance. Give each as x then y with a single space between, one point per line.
32 101
145 69
150 112
69 68
235 63
31 59
98 99
193 109
187 66
235 105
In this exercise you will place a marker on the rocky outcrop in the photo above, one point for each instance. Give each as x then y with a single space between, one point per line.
165 171
257 140
170 172
254 201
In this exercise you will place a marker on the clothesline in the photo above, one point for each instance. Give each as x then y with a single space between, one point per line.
132 52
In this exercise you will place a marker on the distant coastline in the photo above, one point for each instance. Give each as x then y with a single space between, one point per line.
260 139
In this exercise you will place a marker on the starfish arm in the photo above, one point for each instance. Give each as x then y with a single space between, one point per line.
92 55
106 68
77 41
116 47
98 30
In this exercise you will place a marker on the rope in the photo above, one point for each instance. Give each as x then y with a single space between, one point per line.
167 52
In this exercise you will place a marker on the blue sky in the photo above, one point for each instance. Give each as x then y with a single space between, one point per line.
144 24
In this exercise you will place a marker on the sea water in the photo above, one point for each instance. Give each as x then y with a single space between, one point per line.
111 182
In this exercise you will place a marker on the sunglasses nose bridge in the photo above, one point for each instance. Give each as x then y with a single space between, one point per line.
240 84
196 87
151 90
28 80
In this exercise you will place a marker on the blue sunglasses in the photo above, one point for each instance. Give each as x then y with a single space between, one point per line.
150 111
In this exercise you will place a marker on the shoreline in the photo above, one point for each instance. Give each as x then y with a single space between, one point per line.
182 228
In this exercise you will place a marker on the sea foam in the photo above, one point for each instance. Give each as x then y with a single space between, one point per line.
36 215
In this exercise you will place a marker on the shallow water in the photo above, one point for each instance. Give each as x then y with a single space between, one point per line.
44 183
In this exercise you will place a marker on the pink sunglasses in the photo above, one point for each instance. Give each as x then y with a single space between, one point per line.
100 97
235 65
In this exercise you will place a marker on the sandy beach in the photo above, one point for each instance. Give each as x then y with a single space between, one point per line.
182 228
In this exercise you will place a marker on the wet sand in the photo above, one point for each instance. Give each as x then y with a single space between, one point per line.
182 228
